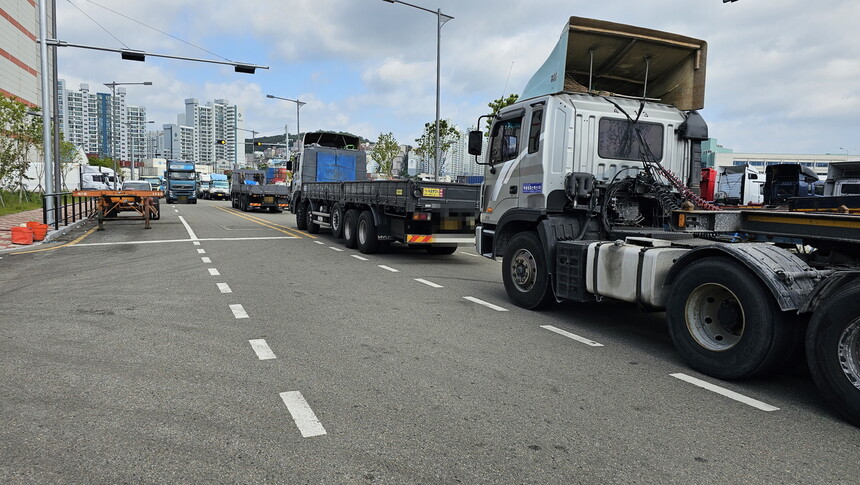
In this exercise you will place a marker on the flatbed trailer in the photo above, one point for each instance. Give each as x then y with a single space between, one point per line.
434 215
111 202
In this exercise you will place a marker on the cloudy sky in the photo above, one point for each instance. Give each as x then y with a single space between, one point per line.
783 75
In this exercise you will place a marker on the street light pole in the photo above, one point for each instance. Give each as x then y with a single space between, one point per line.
441 18
112 86
299 104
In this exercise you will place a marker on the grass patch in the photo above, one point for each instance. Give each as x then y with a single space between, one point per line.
13 205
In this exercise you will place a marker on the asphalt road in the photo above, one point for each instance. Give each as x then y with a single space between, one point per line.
229 347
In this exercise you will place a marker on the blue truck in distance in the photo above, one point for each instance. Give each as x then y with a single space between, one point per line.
180 180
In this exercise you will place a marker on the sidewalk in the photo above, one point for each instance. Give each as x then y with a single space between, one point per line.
9 221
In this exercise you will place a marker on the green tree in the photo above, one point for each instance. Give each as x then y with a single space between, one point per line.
96 161
20 132
496 105
384 151
426 145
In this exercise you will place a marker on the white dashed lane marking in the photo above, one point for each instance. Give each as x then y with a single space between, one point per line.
725 392
336 249
238 311
302 414
196 243
214 272
486 304
388 268
573 336
206 260
428 283
261 348
224 288
201 251
360 258
319 242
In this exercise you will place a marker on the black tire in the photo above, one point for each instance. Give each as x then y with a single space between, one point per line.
725 323
525 274
336 219
833 351
243 204
301 217
313 227
441 250
350 228
233 202
366 233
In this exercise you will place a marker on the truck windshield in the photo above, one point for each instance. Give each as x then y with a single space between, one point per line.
221 184
182 176
505 142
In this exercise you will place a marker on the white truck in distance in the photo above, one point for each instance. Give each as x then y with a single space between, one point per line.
591 191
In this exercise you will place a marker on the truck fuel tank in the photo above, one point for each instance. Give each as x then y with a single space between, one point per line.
633 270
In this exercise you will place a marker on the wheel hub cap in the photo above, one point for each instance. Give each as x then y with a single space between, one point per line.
715 317
524 270
849 352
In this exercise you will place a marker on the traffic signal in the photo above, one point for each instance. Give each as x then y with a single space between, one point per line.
220 142
258 143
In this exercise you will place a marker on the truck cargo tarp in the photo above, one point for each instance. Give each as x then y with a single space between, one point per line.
333 167
622 54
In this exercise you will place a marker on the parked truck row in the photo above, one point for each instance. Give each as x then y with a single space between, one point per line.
591 192
329 190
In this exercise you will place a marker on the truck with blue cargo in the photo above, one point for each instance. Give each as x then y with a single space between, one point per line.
591 193
330 189
180 182
249 190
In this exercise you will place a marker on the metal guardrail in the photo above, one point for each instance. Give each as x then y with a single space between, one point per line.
67 208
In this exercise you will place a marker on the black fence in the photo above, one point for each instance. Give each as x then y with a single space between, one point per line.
67 208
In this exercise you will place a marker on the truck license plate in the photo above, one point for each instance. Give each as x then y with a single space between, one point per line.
269 200
432 192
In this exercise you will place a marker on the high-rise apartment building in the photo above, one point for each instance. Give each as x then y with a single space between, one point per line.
179 142
213 121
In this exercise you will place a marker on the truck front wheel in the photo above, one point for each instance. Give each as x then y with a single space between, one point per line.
301 217
726 324
833 351
524 272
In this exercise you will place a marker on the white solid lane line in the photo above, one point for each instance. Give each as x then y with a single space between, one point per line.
187 228
302 414
388 268
224 288
336 249
238 311
428 283
206 260
360 258
201 251
725 392
486 304
214 272
262 349
573 336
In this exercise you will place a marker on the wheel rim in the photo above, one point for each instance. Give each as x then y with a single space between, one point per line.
335 220
849 352
715 317
523 270
362 232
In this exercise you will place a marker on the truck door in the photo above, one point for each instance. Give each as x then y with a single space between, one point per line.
501 187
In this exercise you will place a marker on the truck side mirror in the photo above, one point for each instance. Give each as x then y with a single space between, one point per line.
476 142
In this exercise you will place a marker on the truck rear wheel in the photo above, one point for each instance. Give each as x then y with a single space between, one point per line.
337 221
313 227
726 324
301 217
833 351
524 272
366 233
350 227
